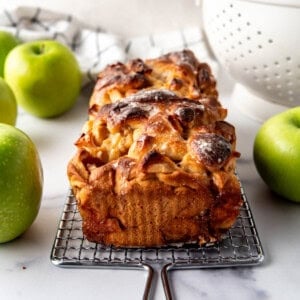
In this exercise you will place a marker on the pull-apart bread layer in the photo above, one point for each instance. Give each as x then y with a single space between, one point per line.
155 164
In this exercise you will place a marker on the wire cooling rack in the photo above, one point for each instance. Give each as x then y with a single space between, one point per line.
241 246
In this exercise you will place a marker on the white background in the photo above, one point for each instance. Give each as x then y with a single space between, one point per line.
125 17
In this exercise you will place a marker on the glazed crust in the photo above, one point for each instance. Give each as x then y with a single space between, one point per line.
155 162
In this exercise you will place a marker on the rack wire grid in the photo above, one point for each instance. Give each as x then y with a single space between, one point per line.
240 246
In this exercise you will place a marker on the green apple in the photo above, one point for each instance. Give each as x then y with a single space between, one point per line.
8 104
276 153
7 42
21 182
44 76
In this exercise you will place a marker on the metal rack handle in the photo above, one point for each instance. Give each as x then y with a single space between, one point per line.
147 290
165 280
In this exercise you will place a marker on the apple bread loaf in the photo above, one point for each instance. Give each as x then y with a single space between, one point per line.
155 164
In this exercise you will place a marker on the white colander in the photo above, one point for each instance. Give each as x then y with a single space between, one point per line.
258 43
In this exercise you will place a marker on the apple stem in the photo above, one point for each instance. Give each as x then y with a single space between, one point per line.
39 49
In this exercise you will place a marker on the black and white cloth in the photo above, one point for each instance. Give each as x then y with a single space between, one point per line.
93 46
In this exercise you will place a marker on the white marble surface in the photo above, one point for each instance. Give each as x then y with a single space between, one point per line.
27 273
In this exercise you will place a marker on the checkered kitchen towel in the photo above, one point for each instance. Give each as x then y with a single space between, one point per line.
94 47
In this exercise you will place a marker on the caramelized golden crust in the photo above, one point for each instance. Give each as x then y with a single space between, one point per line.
155 163
178 72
